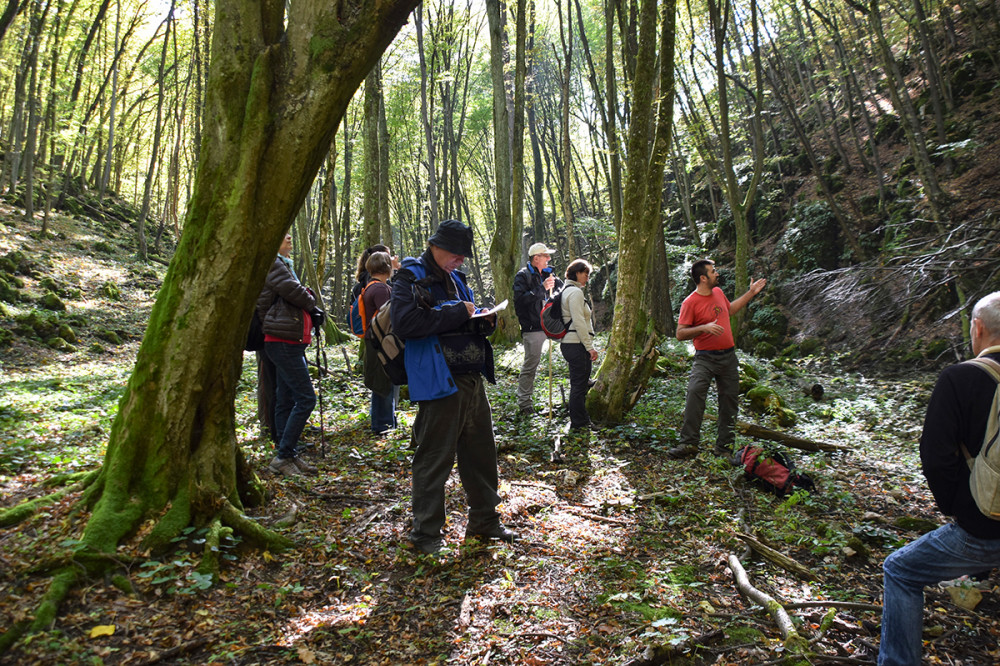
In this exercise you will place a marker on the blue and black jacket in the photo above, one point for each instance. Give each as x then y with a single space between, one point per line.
441 339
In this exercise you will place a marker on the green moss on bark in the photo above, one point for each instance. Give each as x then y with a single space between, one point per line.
62 582
173 522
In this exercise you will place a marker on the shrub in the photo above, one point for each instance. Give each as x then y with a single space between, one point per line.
812 239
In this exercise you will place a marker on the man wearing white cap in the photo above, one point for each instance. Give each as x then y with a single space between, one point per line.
532 284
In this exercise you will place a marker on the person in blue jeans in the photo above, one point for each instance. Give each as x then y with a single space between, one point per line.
288 313
956 415
385 395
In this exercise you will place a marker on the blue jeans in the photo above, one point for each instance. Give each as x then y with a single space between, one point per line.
294 395
383 410
944 554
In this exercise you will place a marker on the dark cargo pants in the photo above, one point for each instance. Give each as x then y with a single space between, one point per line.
724 368
458 425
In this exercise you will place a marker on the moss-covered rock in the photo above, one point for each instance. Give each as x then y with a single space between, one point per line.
6 337
914 524
748 377
108 335
809 346
8 292
67 333
786 418
110 291
37 324
50 301
764 399
96 348
765 350
59 344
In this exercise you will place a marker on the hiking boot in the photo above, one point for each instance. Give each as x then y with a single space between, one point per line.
284 467
428 546
305 467
722 451
679 452
499 533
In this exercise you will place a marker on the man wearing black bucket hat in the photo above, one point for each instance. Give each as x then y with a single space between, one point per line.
447 357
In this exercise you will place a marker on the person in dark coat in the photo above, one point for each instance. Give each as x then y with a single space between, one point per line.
288 313
448 358
532 285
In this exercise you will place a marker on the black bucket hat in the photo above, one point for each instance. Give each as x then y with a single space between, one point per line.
453 236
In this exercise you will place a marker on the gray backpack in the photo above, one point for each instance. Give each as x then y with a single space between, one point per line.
985 477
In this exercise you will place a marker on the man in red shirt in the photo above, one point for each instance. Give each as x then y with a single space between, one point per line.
704 319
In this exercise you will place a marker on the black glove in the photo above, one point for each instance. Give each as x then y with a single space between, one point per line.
318 317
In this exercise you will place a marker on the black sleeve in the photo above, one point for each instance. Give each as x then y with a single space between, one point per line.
956 414
411 319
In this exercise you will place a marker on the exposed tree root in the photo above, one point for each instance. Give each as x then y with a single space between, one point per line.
210 557
95 558
25 510
254 532
65 479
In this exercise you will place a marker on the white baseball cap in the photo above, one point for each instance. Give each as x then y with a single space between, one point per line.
539 248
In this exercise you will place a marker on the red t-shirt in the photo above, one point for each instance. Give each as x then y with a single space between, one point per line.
697 310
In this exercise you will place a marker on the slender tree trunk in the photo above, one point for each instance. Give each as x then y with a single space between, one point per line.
9 12
538 173
37 20
157 134
372 227
506 242
566 194
385 232
425 117
910 120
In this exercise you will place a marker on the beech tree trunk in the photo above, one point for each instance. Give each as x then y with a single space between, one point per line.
622 374
275 96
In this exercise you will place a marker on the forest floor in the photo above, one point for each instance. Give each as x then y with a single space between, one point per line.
622 549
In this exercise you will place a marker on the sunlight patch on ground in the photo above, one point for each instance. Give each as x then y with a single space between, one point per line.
353 613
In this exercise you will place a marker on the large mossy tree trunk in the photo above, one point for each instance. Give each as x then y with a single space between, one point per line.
624 371
276 94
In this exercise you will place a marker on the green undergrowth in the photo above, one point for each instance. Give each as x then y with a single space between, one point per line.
624 547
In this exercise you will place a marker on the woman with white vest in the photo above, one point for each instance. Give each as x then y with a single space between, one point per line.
577 346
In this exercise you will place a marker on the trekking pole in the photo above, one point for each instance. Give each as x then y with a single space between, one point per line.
319 382
550 371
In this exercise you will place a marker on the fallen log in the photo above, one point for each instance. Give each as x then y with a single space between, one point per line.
778 558
760 432
793 641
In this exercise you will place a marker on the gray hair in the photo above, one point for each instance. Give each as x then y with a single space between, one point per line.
987 310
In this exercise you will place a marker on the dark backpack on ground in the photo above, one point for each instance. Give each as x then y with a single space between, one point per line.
551 316
772 470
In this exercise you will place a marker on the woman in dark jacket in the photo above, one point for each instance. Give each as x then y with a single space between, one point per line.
288 312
